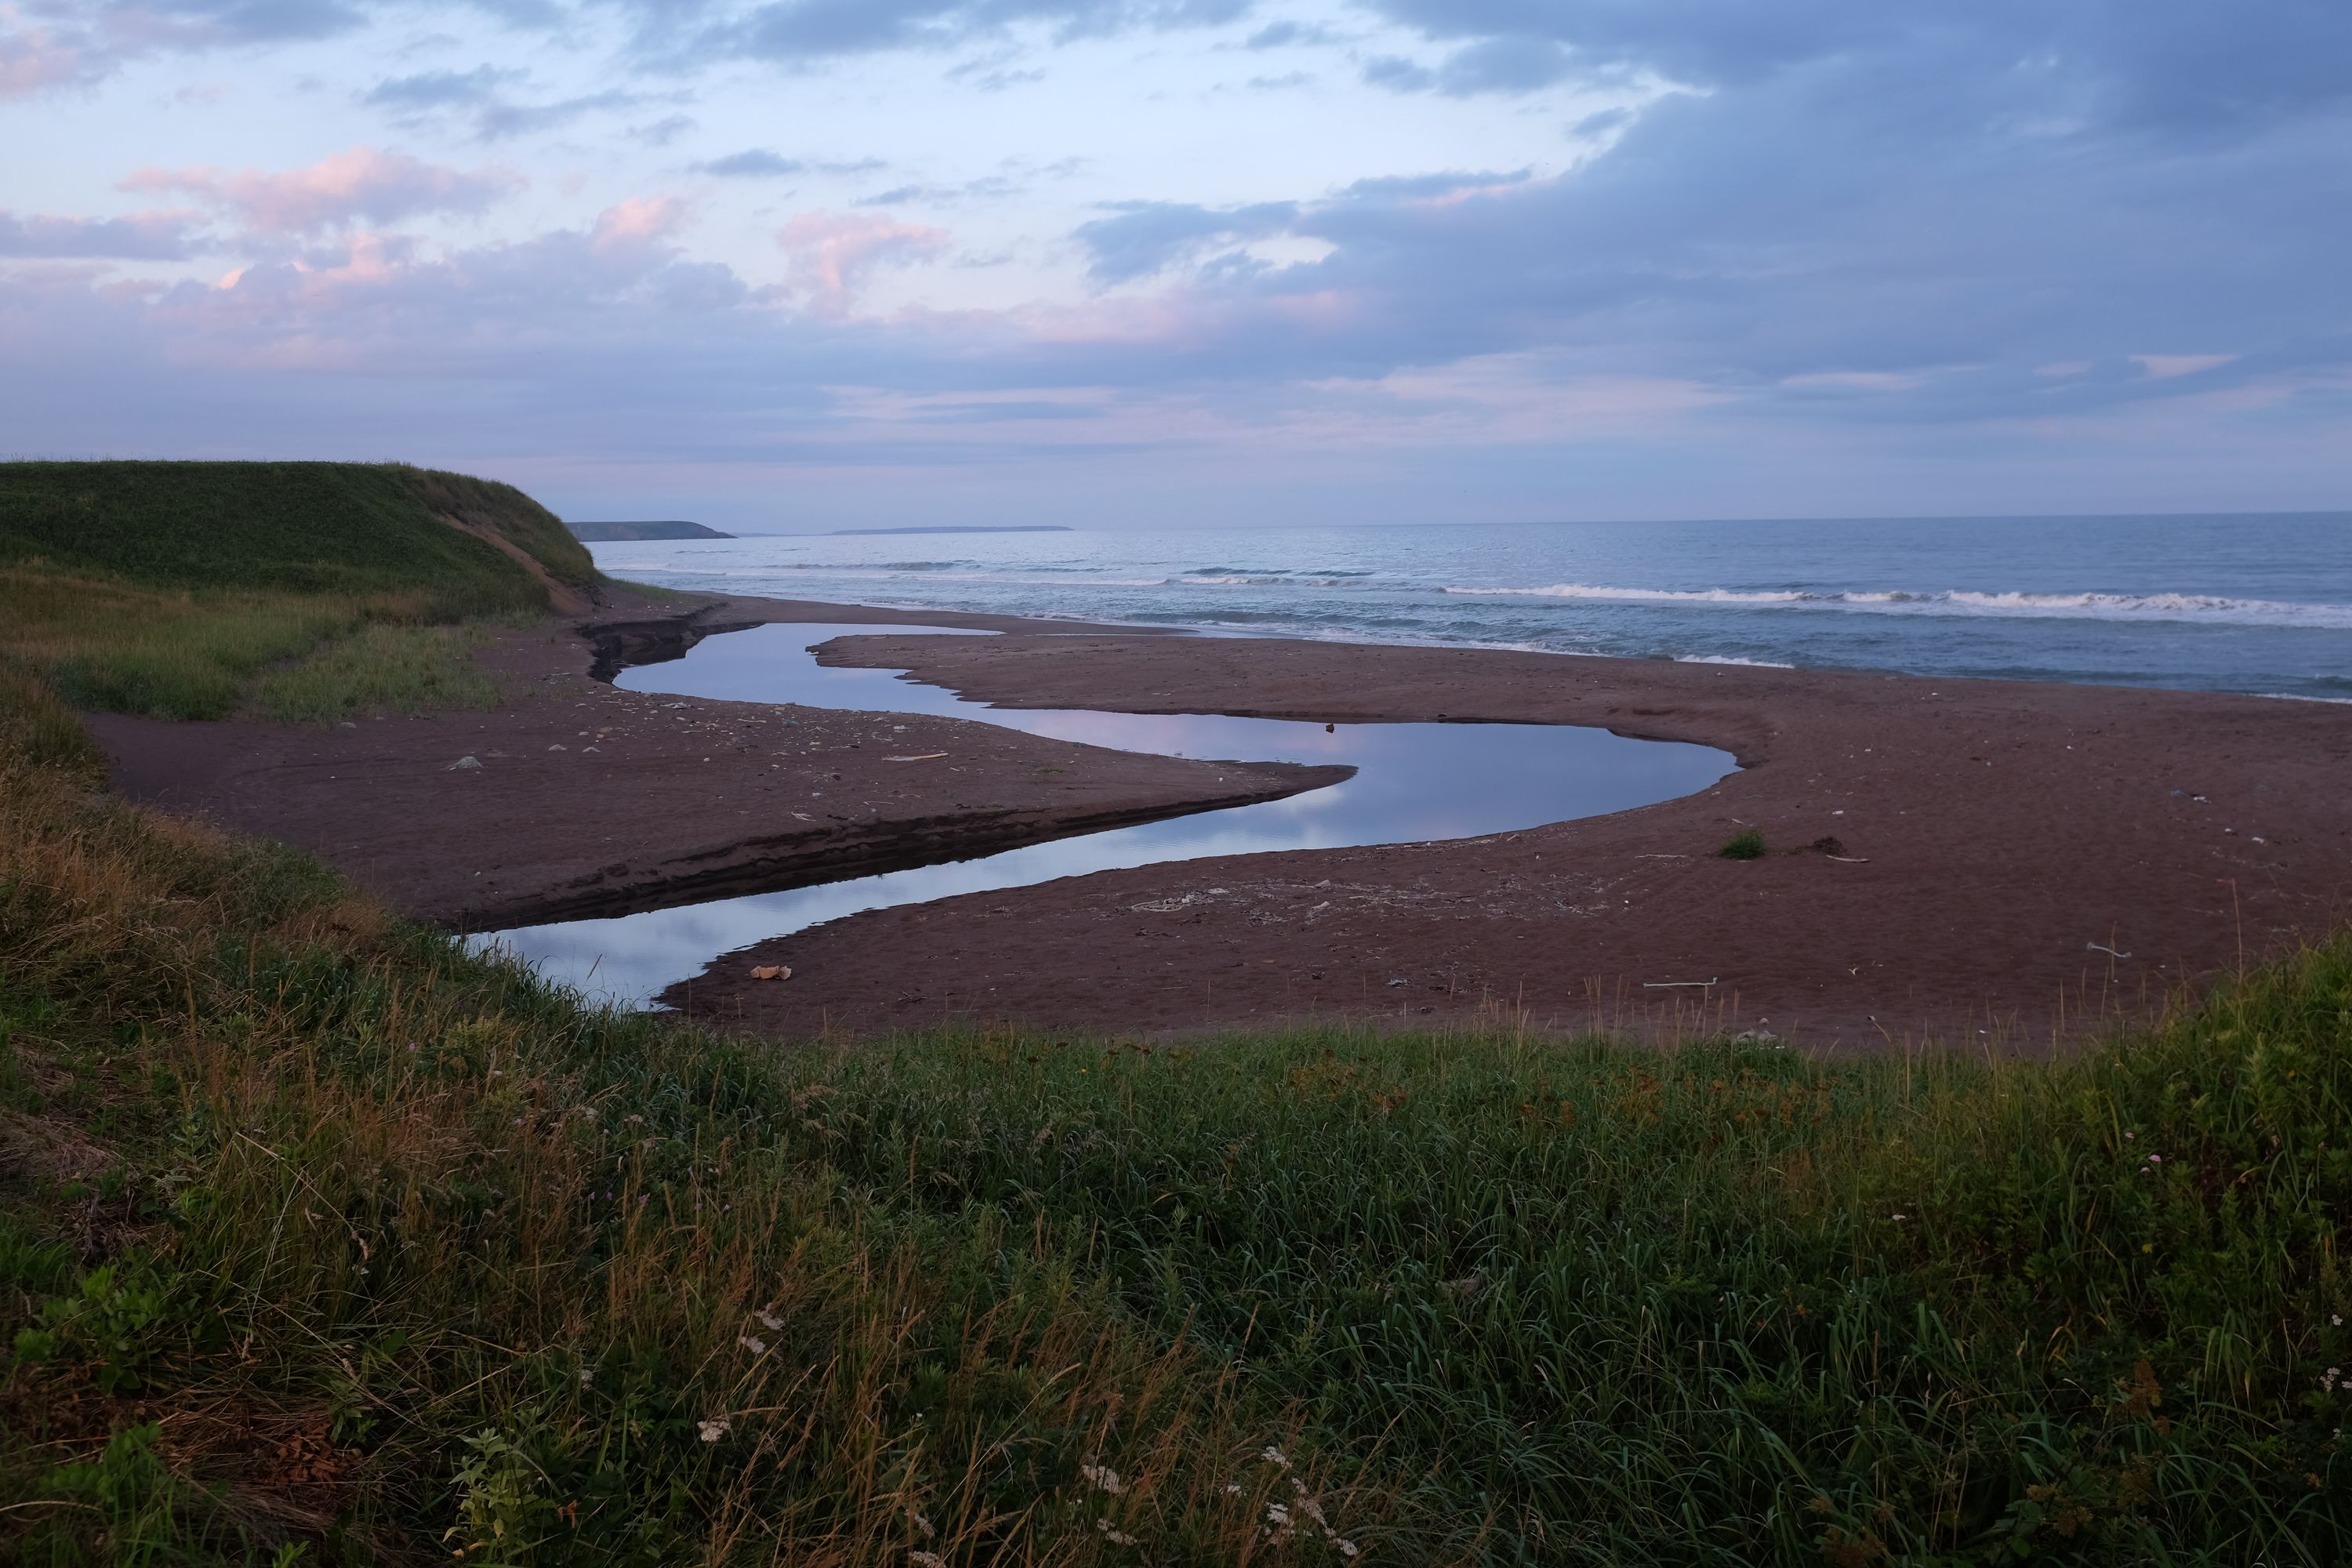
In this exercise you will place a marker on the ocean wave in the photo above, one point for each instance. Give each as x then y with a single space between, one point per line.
1657 595
2023 605
1731 659
1269 580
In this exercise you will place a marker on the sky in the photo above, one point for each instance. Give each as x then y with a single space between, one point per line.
803 264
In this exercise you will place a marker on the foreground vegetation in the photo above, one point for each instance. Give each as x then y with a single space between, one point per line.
320 1239
188 590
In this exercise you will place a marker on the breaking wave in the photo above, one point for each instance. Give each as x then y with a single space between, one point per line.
2102 607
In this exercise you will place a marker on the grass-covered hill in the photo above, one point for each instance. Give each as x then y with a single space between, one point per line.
192 590
351 529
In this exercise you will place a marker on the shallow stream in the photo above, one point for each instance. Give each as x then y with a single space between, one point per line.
1413 782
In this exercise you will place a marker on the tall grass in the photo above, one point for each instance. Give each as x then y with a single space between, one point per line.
119 647
314 1230
380 669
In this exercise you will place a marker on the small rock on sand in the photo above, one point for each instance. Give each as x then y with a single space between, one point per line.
465 763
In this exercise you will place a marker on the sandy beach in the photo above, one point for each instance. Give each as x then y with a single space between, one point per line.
2005 862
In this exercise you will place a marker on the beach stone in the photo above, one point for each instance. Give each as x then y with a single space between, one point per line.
465 764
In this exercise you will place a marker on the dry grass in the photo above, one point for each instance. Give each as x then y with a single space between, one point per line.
532 1272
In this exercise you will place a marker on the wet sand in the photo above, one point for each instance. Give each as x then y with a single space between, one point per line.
2019 859
593 801
2013 861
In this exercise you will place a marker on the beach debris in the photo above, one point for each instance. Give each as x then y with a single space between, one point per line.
925 757
2102 947
1851 859
1675 984
559 746
1398 981
347 724
771 971
1755 1037
463 765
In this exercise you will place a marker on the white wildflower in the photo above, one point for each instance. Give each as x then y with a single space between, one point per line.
926 1559
1278 1514
1233 1489
753 1344
923 1523
1273 1456
1116 1538
587 1377
769 1319
1103 1477
1345 1548
714 1427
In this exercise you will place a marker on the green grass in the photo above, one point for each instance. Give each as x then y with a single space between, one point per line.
349 530
303 590
121 647
493 1265
1747 844
380 669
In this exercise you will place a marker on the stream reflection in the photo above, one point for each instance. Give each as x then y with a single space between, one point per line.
1413 782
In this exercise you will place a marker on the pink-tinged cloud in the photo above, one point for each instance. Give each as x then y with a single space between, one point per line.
142 236
640 220
360 186
33 58
834 254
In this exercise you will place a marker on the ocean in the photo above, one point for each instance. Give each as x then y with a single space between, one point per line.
2257 603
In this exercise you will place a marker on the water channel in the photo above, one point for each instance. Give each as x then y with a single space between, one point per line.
1413 782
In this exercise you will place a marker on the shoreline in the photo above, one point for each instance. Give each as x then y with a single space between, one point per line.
1998 837
591 801
2005 845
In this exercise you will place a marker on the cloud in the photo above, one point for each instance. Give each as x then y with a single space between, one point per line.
481 94
2164 367
362 185
1924 242
758 162
799 31
663 132
834 254
1144 238
753 163
52 44
34 59
1289 36
443 89
640 221
142 236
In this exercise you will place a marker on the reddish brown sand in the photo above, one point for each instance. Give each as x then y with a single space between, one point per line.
1990 834
590 800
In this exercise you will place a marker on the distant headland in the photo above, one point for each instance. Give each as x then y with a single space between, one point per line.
1033 528
614 533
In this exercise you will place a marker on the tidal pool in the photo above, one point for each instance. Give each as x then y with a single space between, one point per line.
1413 782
